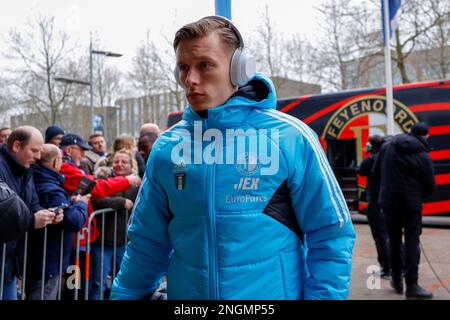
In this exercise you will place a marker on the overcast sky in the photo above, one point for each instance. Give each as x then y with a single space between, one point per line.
121 25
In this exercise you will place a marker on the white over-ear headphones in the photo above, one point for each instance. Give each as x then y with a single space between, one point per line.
242 66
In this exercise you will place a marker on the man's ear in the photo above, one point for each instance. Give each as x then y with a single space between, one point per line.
54 166
17 146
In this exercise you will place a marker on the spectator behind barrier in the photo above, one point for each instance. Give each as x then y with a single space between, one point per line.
149 127
53 135
123 203
145 144
49 187
91 157
23 148
103 168
14 215
4 134
73 150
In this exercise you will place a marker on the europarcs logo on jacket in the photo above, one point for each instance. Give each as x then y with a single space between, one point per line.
251 151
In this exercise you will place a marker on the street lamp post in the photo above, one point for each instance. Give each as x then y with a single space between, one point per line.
71 81
106 54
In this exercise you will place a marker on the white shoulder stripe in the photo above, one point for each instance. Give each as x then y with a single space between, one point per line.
323 162
331 175
308 131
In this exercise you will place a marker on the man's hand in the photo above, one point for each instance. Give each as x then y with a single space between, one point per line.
42 218
58 217
128 204
134 180
86 198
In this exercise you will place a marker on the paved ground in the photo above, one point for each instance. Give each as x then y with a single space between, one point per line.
436 245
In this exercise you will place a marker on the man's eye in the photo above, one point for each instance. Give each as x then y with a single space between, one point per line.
205 66
183 68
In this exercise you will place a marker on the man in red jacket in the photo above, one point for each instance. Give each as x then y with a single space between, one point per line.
73 151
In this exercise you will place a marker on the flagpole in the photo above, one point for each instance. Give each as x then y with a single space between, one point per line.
388 71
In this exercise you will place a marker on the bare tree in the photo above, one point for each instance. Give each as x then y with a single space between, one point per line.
415 21
145 73
152 75
301 54
107 83
346 29
41 52
167 63
268 48
5 102
436 42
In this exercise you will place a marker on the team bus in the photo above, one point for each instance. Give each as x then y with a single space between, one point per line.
345 120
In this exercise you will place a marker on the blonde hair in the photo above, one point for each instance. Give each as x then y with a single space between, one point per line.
133 162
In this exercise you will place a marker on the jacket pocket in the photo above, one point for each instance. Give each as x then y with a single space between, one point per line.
293 273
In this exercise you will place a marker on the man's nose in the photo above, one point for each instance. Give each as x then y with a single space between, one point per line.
192 77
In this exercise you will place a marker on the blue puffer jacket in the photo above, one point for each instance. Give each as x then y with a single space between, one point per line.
247 227
49 187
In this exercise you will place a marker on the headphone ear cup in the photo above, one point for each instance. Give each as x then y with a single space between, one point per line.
242 68
176 75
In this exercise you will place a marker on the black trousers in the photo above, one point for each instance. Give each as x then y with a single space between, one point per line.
377 223
407 222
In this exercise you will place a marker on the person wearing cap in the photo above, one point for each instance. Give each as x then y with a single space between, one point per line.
53 135
73 151
406 175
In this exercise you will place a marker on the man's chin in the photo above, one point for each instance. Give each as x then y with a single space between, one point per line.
198 107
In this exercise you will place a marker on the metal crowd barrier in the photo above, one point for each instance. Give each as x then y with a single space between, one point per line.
22 295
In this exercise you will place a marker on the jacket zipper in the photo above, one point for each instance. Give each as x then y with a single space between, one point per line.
214 261
213 269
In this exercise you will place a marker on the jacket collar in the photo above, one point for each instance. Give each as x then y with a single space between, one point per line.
15 166
47 174
234 111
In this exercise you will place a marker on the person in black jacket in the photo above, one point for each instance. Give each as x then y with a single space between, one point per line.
14 215
375 216
70 219
22 149
407 178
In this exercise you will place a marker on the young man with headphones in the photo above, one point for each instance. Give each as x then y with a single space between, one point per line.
220 220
